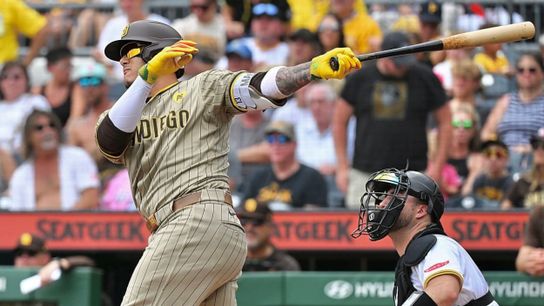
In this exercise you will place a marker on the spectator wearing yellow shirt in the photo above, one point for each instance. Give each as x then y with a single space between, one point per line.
491 59
362 33
17 18
306 14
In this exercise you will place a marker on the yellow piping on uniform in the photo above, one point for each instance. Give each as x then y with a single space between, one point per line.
231 94
444 272
114 159
163 90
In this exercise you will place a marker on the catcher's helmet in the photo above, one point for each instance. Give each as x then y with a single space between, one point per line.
152 35
396 185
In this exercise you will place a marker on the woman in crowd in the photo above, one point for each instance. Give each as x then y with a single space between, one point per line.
59 89
16 103
519 115
330 33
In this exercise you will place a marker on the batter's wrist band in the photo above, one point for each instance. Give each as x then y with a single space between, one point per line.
269 86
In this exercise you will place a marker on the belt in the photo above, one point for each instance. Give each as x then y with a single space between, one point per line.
219 195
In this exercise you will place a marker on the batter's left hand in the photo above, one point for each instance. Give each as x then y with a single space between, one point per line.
320 67
169 60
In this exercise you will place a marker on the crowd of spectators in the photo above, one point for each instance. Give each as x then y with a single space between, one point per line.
470 118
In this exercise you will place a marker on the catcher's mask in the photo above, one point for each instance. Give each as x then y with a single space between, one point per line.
394 186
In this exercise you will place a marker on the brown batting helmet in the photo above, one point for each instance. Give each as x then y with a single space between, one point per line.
152 35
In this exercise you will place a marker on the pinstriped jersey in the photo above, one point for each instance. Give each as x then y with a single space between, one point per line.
181 142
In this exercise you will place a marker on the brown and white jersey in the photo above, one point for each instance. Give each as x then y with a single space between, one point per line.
181 142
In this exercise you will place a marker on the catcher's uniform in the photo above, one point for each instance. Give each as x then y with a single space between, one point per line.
446 256
178 158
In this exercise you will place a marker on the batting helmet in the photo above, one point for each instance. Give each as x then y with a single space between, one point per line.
152 36
396 185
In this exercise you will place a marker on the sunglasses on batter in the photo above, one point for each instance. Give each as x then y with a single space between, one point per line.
466 124
131 50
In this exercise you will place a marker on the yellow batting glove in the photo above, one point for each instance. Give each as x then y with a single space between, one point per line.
168 60
320 67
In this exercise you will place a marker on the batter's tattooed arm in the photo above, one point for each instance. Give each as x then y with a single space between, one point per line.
291 79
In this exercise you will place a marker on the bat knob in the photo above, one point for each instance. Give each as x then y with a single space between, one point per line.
333 62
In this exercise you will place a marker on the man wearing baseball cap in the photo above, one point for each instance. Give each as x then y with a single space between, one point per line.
262 255
391 99
494 181
430 17
239 56
268 28
31 251
285 183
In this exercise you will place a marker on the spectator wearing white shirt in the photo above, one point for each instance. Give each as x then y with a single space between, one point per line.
315 141
204 26
268 27
16 104
53 176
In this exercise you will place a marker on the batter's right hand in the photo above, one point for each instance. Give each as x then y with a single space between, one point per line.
347 62
168 60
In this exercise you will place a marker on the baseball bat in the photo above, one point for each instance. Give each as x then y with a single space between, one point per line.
499 34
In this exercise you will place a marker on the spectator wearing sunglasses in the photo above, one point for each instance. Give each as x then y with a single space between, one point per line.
518 115
204 25
463 151
93 93
268 27
238 15
16 103
528 190
262 255
286 183
494 180
53 176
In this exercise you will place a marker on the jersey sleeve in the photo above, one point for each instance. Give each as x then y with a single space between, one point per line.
232 90
442 259
114 159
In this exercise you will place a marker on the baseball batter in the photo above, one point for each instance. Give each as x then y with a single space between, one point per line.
173 138
433 269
